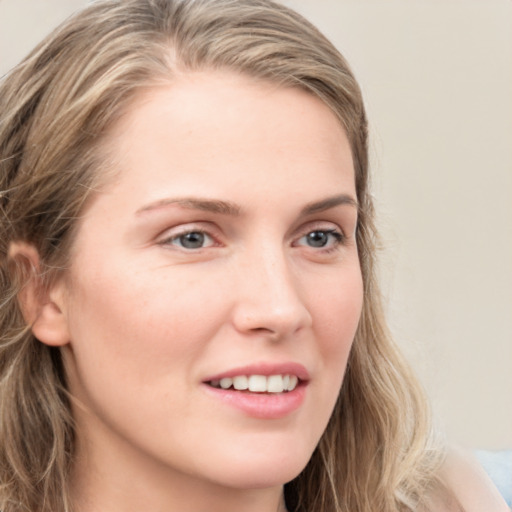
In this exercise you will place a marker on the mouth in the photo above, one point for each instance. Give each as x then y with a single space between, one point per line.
278 383
263 390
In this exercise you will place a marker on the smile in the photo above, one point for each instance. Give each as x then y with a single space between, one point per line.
258 383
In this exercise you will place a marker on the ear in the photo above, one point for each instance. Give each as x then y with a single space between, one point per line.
43 307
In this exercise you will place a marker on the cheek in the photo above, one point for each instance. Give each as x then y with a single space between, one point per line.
337 310
143 324
136 341
336 318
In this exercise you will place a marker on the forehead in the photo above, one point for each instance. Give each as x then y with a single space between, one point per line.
215 127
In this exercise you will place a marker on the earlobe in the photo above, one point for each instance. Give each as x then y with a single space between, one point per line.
42 307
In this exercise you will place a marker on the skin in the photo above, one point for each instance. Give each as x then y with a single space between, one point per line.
467 480
143 320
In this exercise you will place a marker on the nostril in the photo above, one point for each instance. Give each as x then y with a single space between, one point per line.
270 304
263 330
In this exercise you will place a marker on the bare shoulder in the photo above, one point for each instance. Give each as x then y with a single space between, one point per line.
470 485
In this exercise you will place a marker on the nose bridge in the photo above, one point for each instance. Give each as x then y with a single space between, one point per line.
269 296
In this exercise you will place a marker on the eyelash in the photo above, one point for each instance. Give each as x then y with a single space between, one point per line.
174 238
337 237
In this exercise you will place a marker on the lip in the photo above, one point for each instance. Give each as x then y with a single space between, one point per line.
265 369
266 406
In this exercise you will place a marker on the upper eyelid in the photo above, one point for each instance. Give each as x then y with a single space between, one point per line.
336 232
181 230
320 225
217 233
187 227
171 242
331 230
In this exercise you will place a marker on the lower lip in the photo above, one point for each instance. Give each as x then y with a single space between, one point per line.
266 406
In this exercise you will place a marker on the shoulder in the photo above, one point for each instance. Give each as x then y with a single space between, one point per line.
469 484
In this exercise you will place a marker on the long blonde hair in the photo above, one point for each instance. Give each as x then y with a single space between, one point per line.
56 108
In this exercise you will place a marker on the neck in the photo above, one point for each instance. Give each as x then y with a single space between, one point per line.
106 495
115 477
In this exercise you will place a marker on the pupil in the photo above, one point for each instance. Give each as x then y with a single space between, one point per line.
317 238
192 240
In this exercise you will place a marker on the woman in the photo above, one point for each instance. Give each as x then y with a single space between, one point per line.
190 319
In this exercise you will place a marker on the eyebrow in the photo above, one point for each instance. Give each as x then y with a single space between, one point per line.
192 203
232 209
328 203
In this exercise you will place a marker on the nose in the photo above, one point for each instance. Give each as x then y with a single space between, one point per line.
269 299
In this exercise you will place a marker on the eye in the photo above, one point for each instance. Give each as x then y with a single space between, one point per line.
321 238
190 240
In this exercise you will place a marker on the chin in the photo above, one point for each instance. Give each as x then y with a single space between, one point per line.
250 472
262 479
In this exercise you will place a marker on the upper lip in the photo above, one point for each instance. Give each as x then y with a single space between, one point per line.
266 369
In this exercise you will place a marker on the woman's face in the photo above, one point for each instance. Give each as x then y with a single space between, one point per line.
222 254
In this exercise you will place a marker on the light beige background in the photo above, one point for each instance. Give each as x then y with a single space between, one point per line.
437 77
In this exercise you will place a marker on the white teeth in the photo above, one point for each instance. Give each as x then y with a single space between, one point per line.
226 382
241 383
293 382
275 384
258 383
